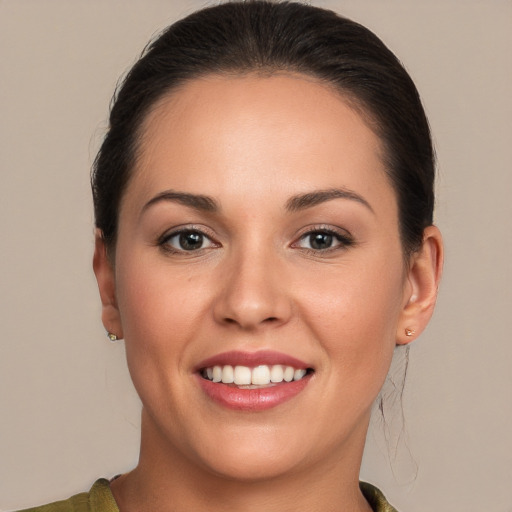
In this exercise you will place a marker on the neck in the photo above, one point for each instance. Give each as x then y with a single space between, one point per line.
166 480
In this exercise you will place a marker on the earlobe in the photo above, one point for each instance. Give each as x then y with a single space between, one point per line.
105 277
423 279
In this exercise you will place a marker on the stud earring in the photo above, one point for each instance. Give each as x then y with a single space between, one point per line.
111 336
409 332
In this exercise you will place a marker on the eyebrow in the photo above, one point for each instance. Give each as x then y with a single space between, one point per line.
310 199
295 203
196 201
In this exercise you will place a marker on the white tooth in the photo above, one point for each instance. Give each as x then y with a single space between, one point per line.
217 373
227 374
298 374
276 373
288 373
209 373
242 375
261 375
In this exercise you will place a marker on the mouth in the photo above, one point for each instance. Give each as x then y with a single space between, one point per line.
253 381
261 376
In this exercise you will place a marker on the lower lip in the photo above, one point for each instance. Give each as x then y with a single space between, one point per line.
252 399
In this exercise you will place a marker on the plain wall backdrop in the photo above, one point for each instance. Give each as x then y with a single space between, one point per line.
68 413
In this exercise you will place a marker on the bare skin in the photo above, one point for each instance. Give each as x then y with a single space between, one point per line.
281 186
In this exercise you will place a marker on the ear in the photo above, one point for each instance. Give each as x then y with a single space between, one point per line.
421 287
105 276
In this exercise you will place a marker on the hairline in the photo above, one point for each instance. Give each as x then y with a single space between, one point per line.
351 99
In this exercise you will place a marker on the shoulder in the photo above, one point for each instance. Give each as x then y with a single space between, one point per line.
98 499
375 498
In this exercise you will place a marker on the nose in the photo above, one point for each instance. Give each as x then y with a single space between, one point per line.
253 292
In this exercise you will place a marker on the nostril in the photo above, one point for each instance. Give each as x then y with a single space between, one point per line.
269 320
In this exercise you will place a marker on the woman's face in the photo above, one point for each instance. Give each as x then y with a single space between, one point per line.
259 230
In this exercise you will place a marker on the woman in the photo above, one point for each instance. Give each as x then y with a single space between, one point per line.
263 205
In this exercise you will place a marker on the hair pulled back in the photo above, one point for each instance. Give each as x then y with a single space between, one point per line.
265 36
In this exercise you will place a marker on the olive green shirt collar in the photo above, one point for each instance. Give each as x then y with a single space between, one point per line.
100 499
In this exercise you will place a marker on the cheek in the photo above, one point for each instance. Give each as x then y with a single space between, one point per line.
354 314
159 314
155 300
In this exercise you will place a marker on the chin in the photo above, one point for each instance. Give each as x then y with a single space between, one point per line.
254 455
254 467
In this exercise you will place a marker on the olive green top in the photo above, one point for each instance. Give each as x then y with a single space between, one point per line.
100 499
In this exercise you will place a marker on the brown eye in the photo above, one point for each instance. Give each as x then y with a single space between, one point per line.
323 240
188 240
320 241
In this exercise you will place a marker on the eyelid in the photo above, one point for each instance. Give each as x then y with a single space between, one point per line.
184 228
343 236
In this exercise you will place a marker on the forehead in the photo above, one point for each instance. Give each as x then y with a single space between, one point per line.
254 134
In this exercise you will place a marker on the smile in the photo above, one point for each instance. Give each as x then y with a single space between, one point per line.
246 377
252 382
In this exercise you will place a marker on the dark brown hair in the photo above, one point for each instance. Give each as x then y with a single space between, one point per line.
265 36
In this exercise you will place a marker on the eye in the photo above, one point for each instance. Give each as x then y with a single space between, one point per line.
323 240
186 240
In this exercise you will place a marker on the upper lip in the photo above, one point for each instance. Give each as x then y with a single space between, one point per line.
251 359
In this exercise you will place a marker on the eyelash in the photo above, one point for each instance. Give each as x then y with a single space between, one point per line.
344 240
164 240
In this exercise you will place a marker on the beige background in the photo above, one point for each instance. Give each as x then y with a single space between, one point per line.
67 412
